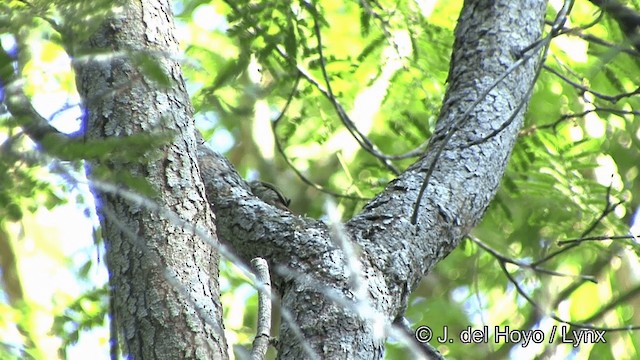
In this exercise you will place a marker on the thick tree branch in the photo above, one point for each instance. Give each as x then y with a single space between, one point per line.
395 254
18 104
465 178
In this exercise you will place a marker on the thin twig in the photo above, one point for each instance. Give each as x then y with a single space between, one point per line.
280 148
504 259
342 114
608 209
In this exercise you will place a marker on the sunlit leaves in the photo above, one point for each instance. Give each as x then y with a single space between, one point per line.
22 188
86 312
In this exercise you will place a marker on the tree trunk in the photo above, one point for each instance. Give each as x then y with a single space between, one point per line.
163 277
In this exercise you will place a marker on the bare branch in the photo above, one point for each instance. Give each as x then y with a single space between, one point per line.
263 331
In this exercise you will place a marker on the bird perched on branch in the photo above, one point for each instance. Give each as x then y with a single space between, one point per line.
270 194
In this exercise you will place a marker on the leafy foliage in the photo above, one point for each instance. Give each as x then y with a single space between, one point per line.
86 312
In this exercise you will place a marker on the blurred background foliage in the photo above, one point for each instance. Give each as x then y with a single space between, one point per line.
270 100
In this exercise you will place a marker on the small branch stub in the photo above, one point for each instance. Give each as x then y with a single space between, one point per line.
263 333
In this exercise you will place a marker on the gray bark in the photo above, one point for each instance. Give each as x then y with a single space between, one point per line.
164 278
331 317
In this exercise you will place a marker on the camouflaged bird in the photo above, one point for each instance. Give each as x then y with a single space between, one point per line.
270 194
